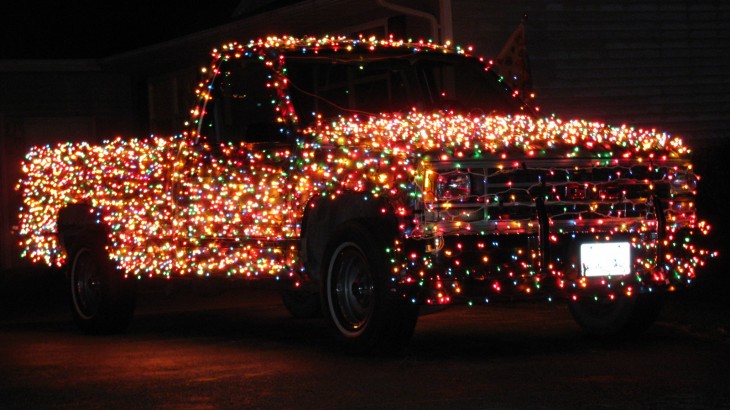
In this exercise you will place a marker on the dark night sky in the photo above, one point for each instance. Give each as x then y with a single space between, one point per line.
37 29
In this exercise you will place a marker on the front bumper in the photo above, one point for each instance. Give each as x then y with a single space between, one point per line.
479 269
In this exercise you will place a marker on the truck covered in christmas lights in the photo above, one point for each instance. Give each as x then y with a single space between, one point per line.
370 177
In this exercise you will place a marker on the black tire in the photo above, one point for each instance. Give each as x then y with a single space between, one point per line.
102 301
302 304
625 316
364 312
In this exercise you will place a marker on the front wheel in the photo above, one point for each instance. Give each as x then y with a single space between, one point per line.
102 301
358 298
623 316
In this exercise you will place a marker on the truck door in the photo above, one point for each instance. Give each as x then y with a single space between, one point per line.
232 202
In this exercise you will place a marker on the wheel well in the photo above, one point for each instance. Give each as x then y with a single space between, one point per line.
324 215
77 221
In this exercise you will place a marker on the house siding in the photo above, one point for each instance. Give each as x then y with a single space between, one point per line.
649 63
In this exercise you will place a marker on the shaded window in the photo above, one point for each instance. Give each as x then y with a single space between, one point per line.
333 85
243 107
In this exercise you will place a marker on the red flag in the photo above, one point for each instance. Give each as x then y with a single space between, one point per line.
512 63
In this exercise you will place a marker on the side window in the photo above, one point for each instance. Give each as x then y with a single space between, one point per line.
244 105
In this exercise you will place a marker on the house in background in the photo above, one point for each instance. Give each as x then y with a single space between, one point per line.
650 63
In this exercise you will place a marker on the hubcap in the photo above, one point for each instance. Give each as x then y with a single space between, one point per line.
86 285
350 284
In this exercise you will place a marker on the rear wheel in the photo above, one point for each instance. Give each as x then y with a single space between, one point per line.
623 316
358 298
102 301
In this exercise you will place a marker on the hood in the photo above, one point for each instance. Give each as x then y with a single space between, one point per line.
455 136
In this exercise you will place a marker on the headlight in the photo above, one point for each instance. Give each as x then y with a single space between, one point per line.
683 181
453 185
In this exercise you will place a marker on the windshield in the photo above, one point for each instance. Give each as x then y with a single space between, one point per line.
333 85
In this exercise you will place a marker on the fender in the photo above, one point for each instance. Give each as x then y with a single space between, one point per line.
78 219
324 214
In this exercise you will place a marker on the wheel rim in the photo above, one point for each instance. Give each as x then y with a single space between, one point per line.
86 285
351 289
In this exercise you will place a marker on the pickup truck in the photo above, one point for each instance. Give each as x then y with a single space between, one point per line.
370 178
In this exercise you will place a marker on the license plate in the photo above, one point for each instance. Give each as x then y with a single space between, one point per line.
605 259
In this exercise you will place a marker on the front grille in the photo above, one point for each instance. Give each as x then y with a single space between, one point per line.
574 193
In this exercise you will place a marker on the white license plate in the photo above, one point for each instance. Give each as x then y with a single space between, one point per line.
605 259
